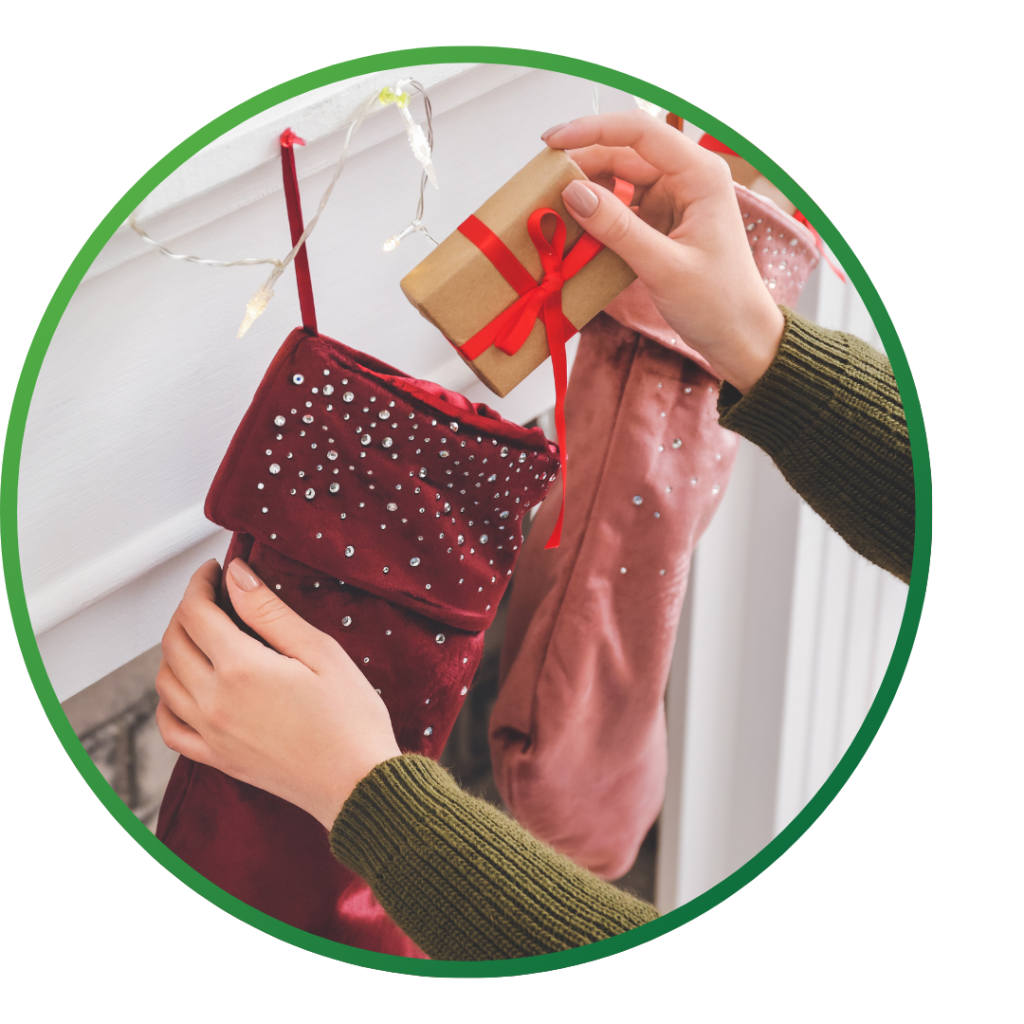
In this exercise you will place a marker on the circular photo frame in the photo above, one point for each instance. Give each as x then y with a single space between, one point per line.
30 622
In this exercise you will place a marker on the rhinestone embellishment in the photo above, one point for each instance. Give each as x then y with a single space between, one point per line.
347 621
392 507
677 443
348 397
310 494
328 389
335 487
637 500
365 440
439 639
414 562
298 379
279 421
275 468
349 551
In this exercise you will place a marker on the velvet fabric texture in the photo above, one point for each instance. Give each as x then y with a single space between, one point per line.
387 512
577 734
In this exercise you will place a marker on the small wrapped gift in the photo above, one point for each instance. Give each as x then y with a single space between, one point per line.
518 278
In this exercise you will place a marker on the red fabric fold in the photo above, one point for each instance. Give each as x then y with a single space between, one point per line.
404 563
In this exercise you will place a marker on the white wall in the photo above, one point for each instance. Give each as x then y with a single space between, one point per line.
144 381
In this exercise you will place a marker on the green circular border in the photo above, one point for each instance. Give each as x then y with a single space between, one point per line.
16 434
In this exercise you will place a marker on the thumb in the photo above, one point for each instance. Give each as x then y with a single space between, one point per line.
648 252
265 613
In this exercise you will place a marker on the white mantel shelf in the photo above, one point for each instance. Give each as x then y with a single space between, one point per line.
144 381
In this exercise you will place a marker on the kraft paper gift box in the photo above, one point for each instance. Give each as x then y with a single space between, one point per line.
460 291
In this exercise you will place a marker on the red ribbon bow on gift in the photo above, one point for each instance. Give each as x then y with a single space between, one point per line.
512 327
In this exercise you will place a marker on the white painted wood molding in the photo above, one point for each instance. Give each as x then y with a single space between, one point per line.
144 381
784 639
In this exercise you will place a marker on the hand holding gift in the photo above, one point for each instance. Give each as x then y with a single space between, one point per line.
688 244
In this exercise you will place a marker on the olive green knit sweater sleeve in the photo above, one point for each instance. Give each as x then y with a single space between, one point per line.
463 880
829 414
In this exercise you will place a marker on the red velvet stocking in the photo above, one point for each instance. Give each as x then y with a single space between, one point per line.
387 512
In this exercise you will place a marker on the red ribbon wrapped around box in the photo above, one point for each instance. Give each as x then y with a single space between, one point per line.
510 329
506 296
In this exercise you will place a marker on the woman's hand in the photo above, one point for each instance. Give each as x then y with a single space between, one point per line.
688 244
303 724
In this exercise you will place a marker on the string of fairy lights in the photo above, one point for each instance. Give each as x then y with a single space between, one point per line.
421 142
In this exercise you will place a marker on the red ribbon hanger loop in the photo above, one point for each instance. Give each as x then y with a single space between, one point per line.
291 194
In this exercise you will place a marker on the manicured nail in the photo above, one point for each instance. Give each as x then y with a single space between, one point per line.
243 576
553 131
580 199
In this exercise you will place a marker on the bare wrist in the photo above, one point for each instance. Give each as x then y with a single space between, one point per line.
750 355
332 800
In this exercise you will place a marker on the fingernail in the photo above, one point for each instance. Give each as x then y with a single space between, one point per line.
553 131
580 199
243 576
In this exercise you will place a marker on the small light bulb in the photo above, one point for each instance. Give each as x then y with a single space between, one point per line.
254 308
392 243
649 108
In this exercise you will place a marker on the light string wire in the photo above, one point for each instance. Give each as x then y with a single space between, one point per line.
417 225
258 303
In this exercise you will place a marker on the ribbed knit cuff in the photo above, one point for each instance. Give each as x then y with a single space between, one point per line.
462 879
829 414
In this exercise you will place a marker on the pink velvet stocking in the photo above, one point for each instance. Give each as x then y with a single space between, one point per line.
578 730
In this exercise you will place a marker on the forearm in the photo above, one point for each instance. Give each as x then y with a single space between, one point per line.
829 414
463 880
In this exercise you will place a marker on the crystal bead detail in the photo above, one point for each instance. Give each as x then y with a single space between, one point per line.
414 562
279 421
310 494
348 397
298 379
275 468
